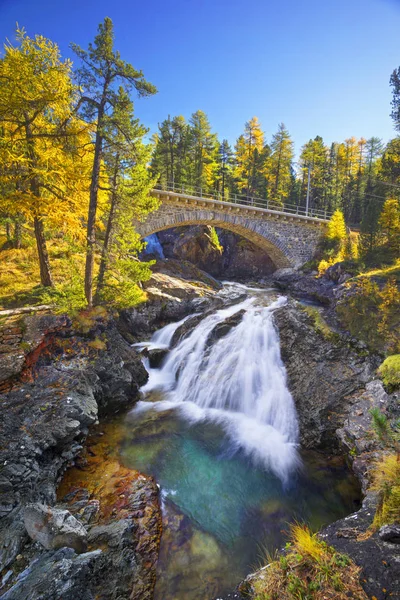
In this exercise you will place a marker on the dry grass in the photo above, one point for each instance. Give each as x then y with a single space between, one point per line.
310 570
386 481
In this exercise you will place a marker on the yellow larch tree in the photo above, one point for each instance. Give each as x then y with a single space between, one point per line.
44 148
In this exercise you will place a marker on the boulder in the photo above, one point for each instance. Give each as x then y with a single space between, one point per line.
390 533
54 528
223 328
156 356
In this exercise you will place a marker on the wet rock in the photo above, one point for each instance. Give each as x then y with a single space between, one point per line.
322 375
120 374
390 533
185 329
156 356
223 328
54 528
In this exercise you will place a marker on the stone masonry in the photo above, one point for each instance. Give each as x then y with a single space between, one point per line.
290 240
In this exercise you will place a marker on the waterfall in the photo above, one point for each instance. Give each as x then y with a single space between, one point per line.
239 382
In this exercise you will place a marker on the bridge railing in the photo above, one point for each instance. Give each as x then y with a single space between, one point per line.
245 201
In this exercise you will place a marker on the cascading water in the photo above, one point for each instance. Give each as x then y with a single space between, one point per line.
218 430
239 382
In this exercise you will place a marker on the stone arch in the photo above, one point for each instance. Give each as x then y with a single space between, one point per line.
247 228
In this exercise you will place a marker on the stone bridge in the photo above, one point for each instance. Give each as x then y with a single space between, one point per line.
289 239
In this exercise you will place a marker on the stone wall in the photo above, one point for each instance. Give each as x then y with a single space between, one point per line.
288 240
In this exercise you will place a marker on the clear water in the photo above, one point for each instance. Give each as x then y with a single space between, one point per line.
218 430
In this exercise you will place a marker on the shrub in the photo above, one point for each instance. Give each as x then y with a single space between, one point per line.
390 371
215 240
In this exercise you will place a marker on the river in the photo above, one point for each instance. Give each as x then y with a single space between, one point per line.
218 429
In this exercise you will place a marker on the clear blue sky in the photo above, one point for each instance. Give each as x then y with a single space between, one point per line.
320 66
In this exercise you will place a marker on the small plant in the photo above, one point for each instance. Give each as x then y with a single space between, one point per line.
380 425
309 570
97 344
215 240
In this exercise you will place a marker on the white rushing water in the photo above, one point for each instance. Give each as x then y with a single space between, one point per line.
238 381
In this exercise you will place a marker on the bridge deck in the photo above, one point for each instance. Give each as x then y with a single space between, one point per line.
239 203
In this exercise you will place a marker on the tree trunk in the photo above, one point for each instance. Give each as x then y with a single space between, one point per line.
108 236
17 234
8 231
44 264
91 225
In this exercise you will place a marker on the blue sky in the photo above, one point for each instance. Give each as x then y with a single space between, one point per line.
320 66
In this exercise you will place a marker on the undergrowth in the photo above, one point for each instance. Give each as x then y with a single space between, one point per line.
309 570
372 314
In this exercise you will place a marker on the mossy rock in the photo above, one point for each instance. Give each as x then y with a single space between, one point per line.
389 371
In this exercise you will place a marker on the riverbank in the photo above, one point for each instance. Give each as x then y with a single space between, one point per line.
61 377
58 378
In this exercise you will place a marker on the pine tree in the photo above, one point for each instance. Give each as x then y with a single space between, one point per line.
279 166
203 152
314 155
128 181
224 175
170 159
101 71
250 157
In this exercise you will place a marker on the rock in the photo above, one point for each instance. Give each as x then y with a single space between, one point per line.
337 273
304 286
390 533
60 574
186 328
380 561
240 259
13 537
156 356
223 328
322 376
54 528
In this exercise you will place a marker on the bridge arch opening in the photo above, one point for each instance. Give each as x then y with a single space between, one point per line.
276 254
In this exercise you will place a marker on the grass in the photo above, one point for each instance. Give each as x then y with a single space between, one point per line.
20 279
389 371
309 570
319 323
386 481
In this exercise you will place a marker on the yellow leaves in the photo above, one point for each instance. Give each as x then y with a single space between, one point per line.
337 227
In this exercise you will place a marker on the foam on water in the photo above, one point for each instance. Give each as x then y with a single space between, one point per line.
238 382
